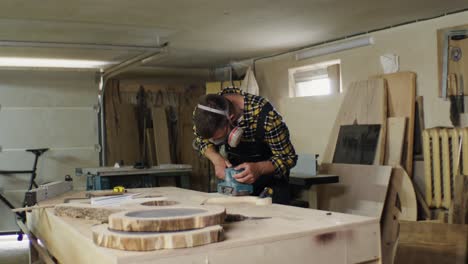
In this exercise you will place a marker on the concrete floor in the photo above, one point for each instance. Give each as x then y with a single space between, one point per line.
13 251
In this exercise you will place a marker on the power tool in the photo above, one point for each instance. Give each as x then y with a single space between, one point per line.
230 186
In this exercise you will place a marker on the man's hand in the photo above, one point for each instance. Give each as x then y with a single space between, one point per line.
220 165
251 172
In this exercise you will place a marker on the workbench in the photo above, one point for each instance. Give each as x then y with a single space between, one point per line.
291 235
306 181
103 178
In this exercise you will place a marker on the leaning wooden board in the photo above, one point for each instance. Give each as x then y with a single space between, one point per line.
304 234
161 136
406 194
362 189
395 141
121 127
123 133
365 102
401 91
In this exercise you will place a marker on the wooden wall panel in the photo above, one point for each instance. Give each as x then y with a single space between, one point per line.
181 99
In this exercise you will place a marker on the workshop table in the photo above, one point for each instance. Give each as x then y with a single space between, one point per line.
306 181
104 178
291 235
301 183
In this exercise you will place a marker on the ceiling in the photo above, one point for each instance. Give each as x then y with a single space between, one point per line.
201 33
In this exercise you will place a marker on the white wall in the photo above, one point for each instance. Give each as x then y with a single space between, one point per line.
46 109
310 119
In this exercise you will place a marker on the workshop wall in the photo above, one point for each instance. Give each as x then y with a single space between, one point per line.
178 96
310 119
45 109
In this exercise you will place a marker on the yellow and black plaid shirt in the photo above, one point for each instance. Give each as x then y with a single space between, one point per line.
276 132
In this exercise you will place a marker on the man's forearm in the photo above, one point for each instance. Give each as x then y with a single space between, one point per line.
213 155
266 167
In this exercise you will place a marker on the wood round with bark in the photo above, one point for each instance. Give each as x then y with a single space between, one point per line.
169 218
146 241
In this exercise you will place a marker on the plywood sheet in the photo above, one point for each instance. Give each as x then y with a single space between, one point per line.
362 189
401 90
365 102
161 135
395 138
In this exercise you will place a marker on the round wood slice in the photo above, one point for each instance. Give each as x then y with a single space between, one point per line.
168 218
146 241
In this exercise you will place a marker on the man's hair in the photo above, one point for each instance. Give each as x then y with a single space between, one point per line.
206 122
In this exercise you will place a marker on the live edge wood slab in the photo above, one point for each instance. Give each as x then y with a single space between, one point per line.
147 241
167 218
290 235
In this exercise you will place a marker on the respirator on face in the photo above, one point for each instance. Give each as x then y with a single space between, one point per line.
233 137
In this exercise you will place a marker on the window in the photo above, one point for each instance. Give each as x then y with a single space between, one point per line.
315 80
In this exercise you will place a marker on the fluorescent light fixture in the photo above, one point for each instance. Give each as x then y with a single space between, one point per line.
335 47
52 63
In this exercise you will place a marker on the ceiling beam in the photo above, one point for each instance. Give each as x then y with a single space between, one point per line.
133 62
65 45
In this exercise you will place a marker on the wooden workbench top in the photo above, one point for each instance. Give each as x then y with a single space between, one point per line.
290 230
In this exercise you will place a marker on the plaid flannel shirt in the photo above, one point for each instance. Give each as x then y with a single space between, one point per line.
276 132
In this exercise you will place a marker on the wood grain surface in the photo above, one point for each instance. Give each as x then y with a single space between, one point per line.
365 103
401 91
395 140
361 191
146 241
168 218
101 213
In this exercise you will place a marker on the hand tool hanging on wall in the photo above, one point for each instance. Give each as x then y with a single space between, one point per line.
173 117
143 116
456 100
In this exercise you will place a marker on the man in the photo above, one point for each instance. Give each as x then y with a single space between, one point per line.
253 136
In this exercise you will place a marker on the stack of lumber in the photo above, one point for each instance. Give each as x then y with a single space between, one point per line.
383 189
